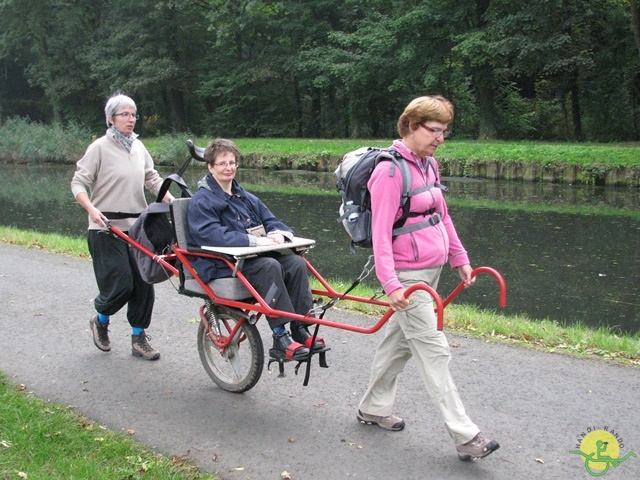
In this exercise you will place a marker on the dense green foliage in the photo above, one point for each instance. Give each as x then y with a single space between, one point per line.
516 69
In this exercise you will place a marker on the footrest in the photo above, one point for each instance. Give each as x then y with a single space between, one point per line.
278 356
281 358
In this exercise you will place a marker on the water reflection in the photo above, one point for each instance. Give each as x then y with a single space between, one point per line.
568 267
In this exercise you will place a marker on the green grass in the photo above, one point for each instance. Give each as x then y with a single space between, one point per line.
544 153
45 440
615 155
50 242
279 146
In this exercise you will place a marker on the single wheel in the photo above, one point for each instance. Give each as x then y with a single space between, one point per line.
236 367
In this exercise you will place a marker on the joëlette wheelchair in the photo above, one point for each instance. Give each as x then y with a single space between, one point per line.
229 343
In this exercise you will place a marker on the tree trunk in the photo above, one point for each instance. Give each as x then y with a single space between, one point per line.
486 108
575 108
635 22
176 108
354 116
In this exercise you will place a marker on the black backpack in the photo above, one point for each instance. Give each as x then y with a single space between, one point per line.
354 172
153 230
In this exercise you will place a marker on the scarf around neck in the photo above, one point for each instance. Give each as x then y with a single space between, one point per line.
125 141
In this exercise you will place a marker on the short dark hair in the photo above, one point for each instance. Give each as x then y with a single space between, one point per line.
218 146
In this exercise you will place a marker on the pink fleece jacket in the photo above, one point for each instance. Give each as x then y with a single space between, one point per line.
425 248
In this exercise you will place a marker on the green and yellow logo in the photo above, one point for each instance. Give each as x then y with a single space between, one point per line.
600 449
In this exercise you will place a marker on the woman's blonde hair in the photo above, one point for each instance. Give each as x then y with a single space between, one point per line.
423 109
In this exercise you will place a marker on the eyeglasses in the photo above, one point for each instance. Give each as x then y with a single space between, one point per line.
436 131
127 115
226 164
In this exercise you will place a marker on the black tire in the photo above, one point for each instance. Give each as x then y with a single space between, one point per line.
240 366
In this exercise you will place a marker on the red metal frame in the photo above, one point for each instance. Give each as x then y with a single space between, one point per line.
262 308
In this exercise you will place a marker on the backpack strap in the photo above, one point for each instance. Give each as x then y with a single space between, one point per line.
398 227
434 220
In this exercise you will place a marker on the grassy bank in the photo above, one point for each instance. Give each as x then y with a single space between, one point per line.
617 154
23 141
310 150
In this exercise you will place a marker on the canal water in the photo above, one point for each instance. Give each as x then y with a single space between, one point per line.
567 253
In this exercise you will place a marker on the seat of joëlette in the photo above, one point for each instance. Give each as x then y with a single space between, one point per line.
229 287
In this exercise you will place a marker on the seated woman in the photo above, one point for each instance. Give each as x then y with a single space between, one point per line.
224 214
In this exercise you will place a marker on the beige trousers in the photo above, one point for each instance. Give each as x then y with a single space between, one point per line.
410 333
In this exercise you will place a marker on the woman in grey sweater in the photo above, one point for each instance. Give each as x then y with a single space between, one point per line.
109 183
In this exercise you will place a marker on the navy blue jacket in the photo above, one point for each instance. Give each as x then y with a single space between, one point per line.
218 219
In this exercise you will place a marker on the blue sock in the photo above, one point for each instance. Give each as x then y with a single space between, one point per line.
279 330
137 330
103 318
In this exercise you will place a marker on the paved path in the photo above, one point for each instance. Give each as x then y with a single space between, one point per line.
535 404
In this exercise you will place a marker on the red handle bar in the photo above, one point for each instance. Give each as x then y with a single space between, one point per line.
502 300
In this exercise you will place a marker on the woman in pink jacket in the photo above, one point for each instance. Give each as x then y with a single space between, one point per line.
417 257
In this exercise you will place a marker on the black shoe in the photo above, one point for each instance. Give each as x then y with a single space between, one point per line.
288 348
301 335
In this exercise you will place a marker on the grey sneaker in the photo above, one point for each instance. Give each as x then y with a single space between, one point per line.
390 422
477 447
100 334
140 347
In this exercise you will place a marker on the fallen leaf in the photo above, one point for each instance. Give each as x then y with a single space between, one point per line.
21 387
285 475
214 457
22 475
5 444
454 344
130 432
539 460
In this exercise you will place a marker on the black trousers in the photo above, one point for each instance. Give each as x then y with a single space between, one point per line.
283 281
118 280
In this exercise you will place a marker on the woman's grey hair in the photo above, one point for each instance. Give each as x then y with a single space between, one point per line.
115 103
